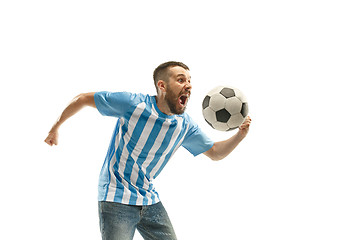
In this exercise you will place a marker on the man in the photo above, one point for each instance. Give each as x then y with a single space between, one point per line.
148 131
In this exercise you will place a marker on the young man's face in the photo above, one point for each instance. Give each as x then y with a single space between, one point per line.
178 89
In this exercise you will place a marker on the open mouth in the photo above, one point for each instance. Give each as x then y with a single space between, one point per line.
183 100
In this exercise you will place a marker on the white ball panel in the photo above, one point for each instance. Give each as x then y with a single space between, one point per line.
239 94
233 105
235 120
209 115
221 126
217 102
215 90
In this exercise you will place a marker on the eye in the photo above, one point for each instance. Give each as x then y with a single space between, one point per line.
180 80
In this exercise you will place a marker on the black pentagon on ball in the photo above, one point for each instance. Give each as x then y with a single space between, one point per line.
227 92
206 102
223 115
244 109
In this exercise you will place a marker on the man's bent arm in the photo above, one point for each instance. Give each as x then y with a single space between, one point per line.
80 101
221 149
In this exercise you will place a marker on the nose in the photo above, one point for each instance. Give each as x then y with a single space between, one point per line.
188 86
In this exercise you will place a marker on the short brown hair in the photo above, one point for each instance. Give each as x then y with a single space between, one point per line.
161 72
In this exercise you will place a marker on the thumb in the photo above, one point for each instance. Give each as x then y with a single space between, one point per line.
51 140
48 141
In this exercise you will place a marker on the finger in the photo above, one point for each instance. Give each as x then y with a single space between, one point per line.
244 126
49 141
246 121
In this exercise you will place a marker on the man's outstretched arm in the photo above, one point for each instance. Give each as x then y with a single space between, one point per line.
221 149
80 101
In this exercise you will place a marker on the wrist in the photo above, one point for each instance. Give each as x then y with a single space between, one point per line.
55 127
241 134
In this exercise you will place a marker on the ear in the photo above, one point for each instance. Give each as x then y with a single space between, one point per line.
161 86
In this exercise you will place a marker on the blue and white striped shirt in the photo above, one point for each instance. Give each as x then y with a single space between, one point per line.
143 141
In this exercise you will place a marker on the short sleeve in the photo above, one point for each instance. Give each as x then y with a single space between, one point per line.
113 104
196 141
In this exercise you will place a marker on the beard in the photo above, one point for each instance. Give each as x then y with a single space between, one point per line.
172 100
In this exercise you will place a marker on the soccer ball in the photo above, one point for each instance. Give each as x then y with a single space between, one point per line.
225 108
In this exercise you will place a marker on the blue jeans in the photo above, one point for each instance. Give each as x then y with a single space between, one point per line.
119 221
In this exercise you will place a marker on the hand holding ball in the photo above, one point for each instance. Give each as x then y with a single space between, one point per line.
225 108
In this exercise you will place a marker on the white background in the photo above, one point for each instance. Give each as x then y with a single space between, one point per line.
296 175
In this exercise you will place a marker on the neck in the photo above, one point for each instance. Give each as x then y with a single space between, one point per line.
162 105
